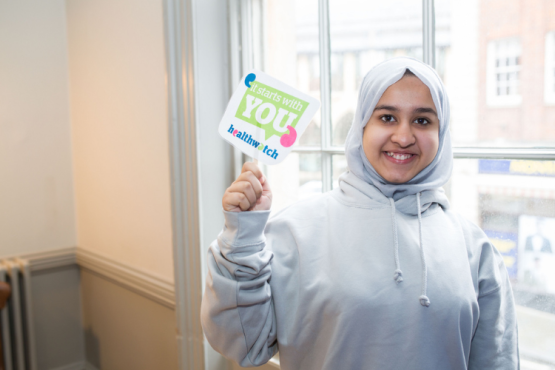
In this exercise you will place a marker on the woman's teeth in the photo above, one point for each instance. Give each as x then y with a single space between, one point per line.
401 157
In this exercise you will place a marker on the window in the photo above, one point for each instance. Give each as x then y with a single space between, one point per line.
504 169
549 81
337 71
503 72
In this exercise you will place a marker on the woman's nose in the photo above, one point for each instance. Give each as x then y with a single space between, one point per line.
403 135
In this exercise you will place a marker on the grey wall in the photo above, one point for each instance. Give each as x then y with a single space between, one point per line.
57 317
124 330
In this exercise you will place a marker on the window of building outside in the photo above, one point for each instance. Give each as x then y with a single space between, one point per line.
549 88
486 51
503 72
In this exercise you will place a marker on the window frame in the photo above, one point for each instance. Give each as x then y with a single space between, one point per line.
242 43
241 62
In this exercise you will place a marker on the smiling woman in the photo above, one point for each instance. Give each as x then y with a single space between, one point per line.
378 273
402 136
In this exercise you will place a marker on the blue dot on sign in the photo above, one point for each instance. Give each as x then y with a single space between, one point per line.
250 78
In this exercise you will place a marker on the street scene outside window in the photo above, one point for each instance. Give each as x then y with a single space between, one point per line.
497 60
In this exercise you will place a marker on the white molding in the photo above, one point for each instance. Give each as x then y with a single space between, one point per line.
429 33
142 282
182 37
49 259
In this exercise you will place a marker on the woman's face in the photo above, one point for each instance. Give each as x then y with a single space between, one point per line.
402 136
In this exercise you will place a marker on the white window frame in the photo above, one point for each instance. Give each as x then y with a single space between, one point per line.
326 149
549 80
188 24
492 98
242 43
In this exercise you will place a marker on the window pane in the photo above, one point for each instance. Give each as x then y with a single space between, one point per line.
297 177
513 201
339 163
494 55
364 33
291 52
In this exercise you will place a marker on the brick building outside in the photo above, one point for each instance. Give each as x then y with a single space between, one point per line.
515 42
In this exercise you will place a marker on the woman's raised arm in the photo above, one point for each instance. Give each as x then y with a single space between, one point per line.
237 312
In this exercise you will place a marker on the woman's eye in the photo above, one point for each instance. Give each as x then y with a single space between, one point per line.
422 121
388 118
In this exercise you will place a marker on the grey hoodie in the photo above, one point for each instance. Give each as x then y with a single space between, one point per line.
354 279
317 282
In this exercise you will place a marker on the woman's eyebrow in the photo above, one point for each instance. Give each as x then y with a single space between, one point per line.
387 107
417 110
425 110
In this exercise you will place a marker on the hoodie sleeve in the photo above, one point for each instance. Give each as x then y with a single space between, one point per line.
237 312
495 342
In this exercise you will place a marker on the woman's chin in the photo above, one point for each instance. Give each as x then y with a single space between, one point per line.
397 177
397 181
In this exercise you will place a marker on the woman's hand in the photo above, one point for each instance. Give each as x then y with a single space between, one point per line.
250 192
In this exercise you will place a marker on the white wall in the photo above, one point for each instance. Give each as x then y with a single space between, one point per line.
120 131
36 190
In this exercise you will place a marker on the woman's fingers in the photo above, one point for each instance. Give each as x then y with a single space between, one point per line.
245 191
253 180
235 202
250 191
246 188
252 167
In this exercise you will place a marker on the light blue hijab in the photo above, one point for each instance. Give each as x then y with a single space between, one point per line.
374 84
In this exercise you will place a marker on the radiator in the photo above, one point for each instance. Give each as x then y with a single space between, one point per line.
18 339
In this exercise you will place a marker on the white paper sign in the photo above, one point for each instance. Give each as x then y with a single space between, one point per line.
265 117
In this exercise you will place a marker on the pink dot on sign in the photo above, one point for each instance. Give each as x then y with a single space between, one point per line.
235 132
288 139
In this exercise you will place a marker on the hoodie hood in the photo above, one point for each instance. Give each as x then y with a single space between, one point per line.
374 84
358 193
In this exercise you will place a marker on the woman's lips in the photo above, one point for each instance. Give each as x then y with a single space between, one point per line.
399 158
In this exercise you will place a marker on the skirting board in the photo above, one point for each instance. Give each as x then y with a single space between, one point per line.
139 281
81 365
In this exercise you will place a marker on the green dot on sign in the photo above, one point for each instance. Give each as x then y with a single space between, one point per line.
261 147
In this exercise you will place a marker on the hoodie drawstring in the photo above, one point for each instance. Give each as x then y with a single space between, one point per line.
398 274
424 300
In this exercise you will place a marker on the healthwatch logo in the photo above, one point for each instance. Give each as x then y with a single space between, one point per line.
266 116
272 110
247 138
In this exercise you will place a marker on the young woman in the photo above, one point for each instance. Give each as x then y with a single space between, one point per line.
377 274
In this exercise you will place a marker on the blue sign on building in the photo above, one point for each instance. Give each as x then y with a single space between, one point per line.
517 167
506 244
